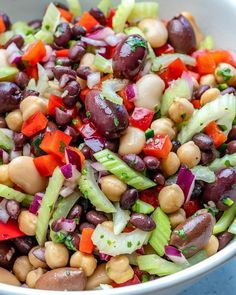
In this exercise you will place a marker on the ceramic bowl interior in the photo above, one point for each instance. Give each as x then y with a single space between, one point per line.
215 17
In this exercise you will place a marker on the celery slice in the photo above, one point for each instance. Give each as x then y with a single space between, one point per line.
225 221
45 36
11 194
161 234
102 64
110 87
155 265
51 19
74 7
122 14
6 36
47 205
232 228
120 219
142 207
203 173
143 10
8 73
207 43
90 189
6 142
22 28
27 201
119 168
221 109
29 39
105 6
64 206
224 162
198 257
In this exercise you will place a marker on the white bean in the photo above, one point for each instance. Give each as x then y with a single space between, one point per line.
132 142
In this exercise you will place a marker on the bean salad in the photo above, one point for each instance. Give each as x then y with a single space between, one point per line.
117 146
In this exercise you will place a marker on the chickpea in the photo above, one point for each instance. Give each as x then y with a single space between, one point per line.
112 187
171 198
88 60
208 80
181 110
155 31
212 246
6 277
33 276
27 223
119 270
87 262
150 89
189 154
22 267
37 263
177 218
56 255
132 142
14 120
4 176
171 164
209 95
33 104
108 225
164 126
98 277
225 73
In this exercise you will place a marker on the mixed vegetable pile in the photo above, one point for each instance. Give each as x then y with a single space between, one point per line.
117 146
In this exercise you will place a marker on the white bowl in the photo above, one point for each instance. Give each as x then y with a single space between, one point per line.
215 17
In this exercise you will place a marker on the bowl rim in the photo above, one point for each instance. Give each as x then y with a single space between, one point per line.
178 278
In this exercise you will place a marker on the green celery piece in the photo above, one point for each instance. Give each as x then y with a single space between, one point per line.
198 257
142 207
6 142
27 201
155 265
207 43
90 189
232 228
22 28
203 173
47 205
6 36
11 194
122 13
51 19
161 234
8 73
102 64
74 7
119 168
109 89
225 221
29 39
224 162
45 36
64 206
143 10
105 6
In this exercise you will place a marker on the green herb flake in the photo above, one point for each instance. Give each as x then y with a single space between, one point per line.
226 74
59 62
88 114
227 163
223 127
129 244
69 243
109 242
149 133
222 86
227 201
116 121
212 210
62 147
47 27
157 141
135 43
188 249
182 234
102 237
234 121
145 278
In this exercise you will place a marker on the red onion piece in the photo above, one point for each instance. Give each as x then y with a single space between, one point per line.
101 34
176 256
140 251
40 254
112 40
36 203
96 43
13 53
189 79
73 158
15 154
4 156
131 92
27 150
63 224
49 52
104 257
93 79
4 216
98 166
67 171
96 144
66 191
186 181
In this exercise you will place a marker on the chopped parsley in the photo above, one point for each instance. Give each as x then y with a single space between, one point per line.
226 74
69 243
129 244
223 127
157 141
227 163
188 249
62 147
88 114
182 234
109 242
116 121
135 42
47 27
59 62
102 237
222 87
145 278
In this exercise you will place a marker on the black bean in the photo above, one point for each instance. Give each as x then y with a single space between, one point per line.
112 145
13 208
83 72
51 127
86 205
3 123
95 217
10 97
198 189
128 198
135 162
77 52
175 145
78 31
224 239
60 5
159 179
70 95
232 133
16 39
35 24
98 15
7 254
29 92
86 225
24 244
86 151
57 225
75 240
229 90
63 61
152 163
63 34
71 132
75 212
203 141
22 80
143 222
6 19
231 147
58 71
62 117
207 157
201 89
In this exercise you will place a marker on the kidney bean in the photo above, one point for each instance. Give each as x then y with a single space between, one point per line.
72 133
62 117
142 221
225 178
231 147
112 146
6 19
77 52
35 24
75 212
159 179
129 57
63 34
224 239
18 40
3 123
61 279
65 79
75 240
85 204
86 225
201 89
83 72
232 133
24 244
51 127
198 189
192 235
95 217
78 31
229 90
63 61
181 35
86 151
203 141
60 5
10 97
29 92
13 208
59 71
228 194
175 145
207 157
98 15
128 198
7 254
152 163
71 93
109 118
22 80
135 162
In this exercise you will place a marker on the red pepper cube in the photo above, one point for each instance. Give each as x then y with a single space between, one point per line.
88 130
111 14
167 48
2 25
221 56
141 118
176 69
196 103
88 21
191 207
10 230
206 64
34 124
159 146
55 143
134 281
215 133
47 164
62 53
150 196
35 53
86 244
53 103
67 15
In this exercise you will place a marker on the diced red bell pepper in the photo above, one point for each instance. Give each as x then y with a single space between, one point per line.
62 53
176 69
129 229
195 75
134 281
111 14
88 130
32 72
10 230
53 103
83 94
196 103
2 25
167 48
35 53
129 105
150 196
206 64
159 146
77 123
47 164
67 15
220 56
216 134
34 124
86 244
55 143
141 118
191 207
88 21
